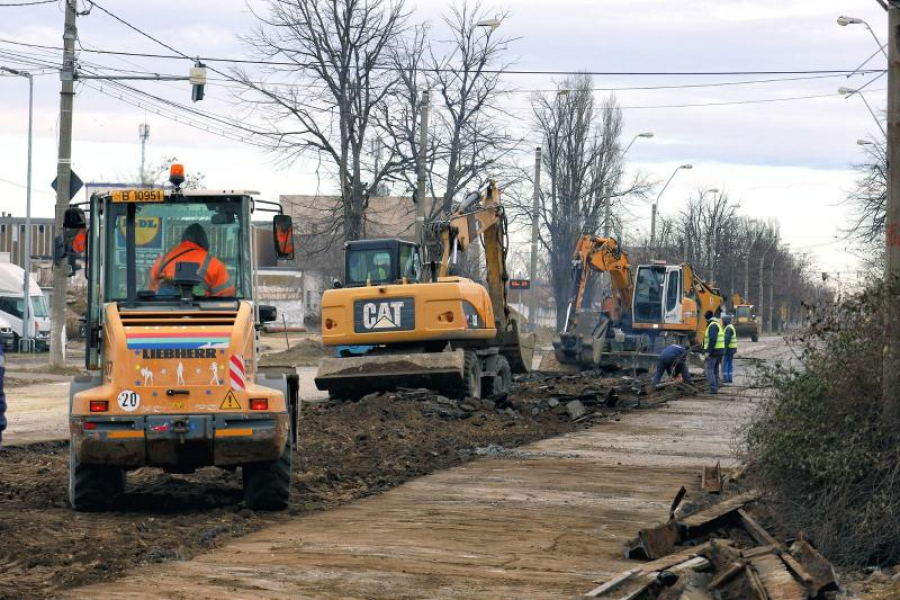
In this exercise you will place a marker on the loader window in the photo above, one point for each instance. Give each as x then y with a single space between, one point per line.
742 312
368 265
162 230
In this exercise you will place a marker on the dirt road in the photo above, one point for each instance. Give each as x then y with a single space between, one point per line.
543 521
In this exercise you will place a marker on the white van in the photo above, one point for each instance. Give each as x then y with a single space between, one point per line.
12 309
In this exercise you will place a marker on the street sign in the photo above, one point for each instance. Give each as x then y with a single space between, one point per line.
75 184
520 284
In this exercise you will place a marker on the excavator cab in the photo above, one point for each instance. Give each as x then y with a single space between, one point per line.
658 294
375 262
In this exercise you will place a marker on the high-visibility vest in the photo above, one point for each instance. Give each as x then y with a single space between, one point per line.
732 342
212 271
720 338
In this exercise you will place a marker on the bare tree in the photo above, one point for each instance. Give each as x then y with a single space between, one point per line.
583 168
324 103
869 201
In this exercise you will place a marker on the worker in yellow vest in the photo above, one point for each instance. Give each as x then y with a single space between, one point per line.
714 347
731 344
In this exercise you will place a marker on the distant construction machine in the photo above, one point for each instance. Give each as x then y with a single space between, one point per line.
746 323
663 305
442 332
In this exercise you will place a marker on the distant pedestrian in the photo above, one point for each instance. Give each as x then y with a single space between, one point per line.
731 346
714 347
673 361
2 395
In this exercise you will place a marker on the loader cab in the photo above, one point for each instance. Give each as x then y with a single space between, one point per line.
658 294
381 262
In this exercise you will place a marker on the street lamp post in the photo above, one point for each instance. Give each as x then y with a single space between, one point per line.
607 208
656 203
844 21
26 342
847 92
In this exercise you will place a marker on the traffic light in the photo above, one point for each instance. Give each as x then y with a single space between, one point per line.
198 81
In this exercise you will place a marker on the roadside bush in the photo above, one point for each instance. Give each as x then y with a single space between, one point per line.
818 447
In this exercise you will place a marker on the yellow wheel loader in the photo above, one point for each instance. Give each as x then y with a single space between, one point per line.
746 323
172 327
442 332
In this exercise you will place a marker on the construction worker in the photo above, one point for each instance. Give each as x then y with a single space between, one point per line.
194 247
673 361
731 345
714 347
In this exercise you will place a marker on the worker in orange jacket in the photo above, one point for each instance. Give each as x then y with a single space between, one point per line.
194 247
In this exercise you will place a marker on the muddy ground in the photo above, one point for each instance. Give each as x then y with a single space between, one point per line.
347 451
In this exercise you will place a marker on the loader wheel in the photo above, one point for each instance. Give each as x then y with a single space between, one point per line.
471 384
267 485
502 382
754 338
93 487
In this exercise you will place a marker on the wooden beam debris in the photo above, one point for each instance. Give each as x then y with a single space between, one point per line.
696 524
712 479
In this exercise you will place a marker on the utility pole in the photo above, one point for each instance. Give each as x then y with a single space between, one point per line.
63 179
535 232
891 352
143 134
421 179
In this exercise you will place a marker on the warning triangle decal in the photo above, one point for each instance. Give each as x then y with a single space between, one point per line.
230 402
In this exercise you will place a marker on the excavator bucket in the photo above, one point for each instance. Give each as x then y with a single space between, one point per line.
353 377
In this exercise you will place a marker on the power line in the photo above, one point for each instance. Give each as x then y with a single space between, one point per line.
35 3
180 56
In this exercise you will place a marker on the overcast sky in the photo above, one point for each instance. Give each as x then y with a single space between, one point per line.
786 159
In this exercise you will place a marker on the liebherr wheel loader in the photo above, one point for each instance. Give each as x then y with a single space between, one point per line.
176 381
662 305
442 332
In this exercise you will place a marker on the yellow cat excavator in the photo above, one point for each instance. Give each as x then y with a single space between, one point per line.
664 304
442 332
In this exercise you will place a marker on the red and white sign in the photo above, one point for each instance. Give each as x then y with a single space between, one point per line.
237 373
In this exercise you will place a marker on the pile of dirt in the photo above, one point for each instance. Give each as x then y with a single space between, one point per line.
305 352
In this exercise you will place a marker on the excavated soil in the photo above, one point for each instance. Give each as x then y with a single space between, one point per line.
347 451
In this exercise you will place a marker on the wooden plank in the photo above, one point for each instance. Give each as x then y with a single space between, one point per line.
726 575
759 550
823 577
612 583
696 523
779 584
759 591
757 531
653 542
711 482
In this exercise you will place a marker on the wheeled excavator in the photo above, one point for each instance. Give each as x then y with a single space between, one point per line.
438 331
662 305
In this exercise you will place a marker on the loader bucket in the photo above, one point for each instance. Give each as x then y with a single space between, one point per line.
354 377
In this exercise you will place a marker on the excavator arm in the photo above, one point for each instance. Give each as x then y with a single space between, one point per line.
602 255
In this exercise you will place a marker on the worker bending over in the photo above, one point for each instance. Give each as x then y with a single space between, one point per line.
714 347
673 361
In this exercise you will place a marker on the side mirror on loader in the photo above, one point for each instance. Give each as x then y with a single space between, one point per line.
283 234
72 242
267 313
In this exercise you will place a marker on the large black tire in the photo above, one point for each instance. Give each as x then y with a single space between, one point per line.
93 487
502 382
471 383
267 485
754 338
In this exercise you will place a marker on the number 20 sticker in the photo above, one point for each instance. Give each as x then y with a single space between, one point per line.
129 400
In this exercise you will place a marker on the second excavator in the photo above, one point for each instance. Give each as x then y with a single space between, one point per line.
663 304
